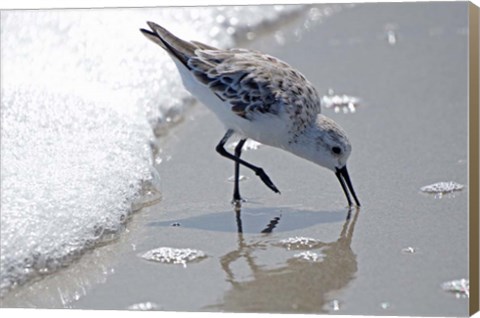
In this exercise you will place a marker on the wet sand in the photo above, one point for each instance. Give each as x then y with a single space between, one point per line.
409 131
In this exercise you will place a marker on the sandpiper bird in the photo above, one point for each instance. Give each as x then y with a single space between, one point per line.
258 96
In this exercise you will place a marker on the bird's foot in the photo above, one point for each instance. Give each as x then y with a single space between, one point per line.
237 201
266 179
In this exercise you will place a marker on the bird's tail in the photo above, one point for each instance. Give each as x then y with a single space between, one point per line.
180 49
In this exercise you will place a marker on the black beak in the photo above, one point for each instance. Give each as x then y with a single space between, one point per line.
344 178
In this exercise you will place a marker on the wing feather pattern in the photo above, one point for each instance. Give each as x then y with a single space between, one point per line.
251 82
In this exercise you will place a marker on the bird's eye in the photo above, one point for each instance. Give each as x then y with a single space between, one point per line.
336 150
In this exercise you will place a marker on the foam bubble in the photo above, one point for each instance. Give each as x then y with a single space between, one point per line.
300 242
442 187
171 255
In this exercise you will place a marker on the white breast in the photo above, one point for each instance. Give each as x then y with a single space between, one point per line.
267 129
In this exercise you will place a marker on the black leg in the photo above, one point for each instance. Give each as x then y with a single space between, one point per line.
236 187
258 171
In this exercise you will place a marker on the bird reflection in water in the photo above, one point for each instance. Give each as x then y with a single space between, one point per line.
296 285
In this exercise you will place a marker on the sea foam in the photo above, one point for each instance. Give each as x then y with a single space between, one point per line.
84 95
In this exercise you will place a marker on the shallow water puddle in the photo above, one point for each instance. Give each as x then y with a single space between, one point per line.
171 255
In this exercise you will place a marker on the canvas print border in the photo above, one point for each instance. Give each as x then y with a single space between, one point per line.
473 158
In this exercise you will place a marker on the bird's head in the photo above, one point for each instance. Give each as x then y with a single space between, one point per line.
328 146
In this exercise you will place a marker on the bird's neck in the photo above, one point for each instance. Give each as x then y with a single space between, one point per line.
303 145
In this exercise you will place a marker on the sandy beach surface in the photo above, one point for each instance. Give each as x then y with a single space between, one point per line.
408 64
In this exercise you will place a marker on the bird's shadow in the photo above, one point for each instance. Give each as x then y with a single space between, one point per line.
258 220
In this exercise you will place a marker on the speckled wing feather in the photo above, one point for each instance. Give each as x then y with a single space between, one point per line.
251 82
254 83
